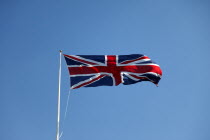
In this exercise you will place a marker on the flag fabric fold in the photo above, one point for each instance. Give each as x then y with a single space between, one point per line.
110 70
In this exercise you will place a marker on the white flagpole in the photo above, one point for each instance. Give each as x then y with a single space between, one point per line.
59 92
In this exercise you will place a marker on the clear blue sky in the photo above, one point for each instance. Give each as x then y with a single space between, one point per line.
174 33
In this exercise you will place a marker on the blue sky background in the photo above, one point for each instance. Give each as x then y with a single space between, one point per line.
174 33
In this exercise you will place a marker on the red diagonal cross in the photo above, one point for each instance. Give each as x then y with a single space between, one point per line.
113 69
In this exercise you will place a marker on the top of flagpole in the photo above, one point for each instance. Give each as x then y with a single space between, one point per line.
60 51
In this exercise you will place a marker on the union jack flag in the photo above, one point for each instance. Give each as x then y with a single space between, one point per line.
110 70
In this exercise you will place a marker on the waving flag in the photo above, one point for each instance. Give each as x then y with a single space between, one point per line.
110 70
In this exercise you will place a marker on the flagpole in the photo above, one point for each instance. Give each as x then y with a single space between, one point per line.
59 92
